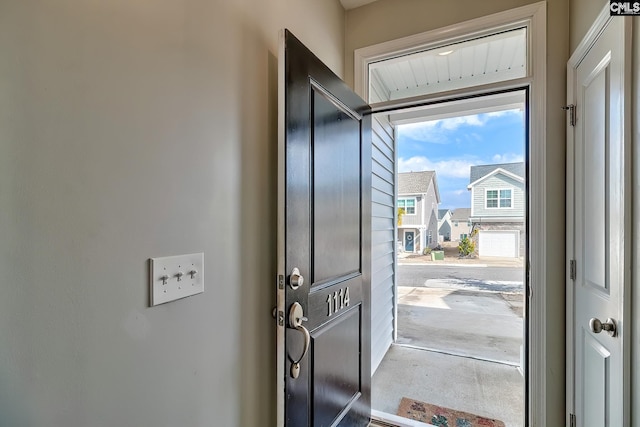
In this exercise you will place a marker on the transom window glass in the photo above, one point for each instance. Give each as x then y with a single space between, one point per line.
408 206
499 199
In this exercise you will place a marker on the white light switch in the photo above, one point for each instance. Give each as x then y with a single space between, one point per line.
176 277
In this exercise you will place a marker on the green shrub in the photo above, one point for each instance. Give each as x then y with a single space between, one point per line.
466 246
426 251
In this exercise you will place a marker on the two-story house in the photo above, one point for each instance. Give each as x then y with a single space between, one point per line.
498 209
418 198
460 224
444 225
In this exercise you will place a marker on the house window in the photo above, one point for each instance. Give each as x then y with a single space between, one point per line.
498 199
408 205
463 236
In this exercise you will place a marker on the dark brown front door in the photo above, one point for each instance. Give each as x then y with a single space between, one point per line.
324 277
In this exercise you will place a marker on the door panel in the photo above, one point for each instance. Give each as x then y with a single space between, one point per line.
408 241
596 391
325 233
336 190
594 143
336 367
599 215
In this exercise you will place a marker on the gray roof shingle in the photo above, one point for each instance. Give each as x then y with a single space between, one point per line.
442 213
461 214
414 182
479 171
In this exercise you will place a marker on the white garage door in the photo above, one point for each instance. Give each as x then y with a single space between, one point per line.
499 243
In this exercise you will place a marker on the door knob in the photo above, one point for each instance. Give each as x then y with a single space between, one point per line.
296 317
597 326
296 280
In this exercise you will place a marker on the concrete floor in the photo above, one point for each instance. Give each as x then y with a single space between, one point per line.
459 349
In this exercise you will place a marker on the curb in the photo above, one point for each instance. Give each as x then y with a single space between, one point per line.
444 265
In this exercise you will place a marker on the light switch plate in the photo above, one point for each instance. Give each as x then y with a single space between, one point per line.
175 277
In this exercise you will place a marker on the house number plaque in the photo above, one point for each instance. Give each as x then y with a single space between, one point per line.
337 301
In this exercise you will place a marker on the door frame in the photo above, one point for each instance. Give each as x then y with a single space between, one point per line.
576 58
534 17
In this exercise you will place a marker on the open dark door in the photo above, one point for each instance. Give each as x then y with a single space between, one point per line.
323 313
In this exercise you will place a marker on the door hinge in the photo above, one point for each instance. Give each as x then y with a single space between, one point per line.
572 420
572 113
572 269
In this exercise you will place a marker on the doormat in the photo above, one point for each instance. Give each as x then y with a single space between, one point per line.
442 417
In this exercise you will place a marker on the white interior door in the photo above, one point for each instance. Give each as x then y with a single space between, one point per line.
597 217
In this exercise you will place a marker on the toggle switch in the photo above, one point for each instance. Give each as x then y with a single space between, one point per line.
168 280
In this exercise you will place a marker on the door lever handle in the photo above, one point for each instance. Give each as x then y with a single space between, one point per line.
296 317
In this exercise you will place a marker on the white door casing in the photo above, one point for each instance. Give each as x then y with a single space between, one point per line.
533 16
598 226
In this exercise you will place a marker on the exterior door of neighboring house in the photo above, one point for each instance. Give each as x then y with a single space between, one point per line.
323 311
409 244
598 227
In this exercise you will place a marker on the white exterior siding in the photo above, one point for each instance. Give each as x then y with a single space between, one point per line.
430 218
498 182
383 224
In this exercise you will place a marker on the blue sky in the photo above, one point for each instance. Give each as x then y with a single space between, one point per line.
451 146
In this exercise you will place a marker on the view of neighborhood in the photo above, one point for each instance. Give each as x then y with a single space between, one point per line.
495 220
449 192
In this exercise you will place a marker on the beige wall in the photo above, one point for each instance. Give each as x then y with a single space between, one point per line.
390 19
583 13
128 130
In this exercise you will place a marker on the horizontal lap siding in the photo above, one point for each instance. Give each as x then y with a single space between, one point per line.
495 183
382 240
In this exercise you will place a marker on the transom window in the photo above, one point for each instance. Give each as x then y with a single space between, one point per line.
408 205
499 199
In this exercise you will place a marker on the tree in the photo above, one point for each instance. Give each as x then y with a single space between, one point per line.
400 215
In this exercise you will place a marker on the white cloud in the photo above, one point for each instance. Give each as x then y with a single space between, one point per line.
504 113
455 122
507 158
453 168
440 131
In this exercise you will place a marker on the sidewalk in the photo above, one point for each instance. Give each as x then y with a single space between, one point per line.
451 257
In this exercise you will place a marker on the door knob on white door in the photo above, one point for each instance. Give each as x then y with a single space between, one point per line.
597 326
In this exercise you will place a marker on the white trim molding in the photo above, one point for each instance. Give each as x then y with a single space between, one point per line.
534 17
499 198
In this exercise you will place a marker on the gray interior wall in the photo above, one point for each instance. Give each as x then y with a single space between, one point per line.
128 130
371 24
383 277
